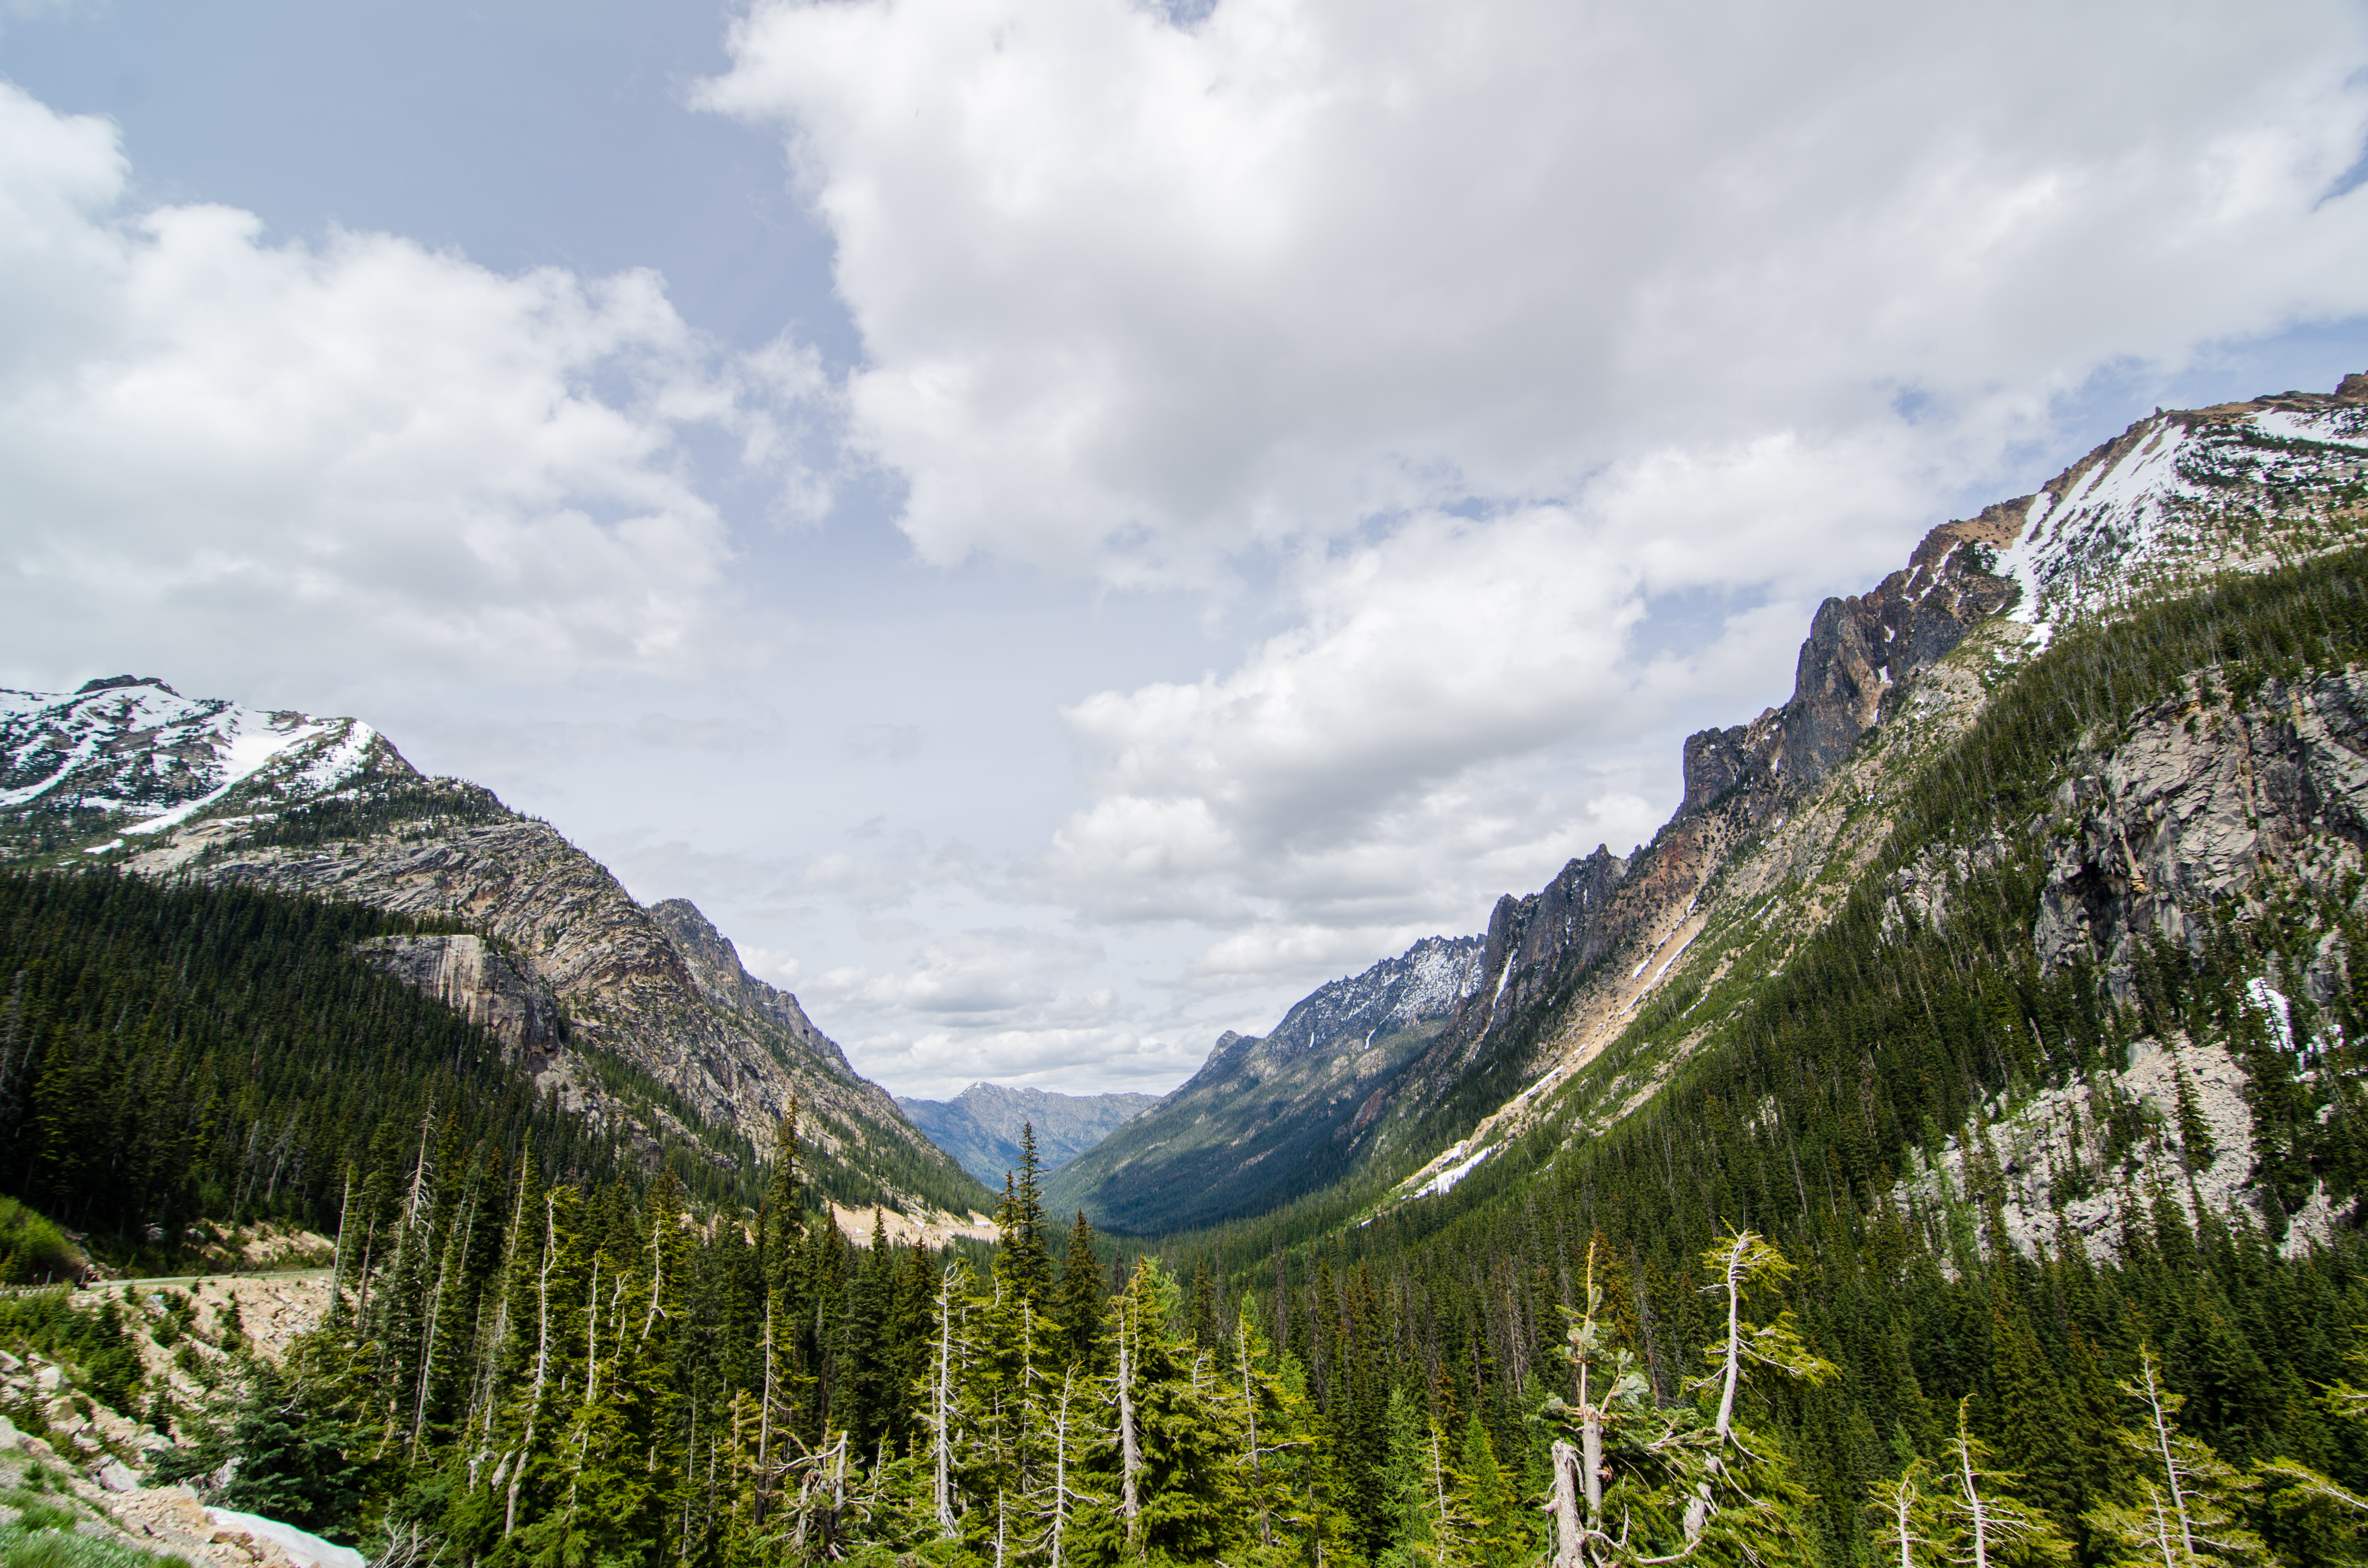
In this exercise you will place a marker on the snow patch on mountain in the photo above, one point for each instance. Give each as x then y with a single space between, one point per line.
1444 1182
139 748
1429 981
2176 499
2076 547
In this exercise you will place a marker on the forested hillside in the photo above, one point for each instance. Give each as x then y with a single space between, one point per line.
125 773
170 1053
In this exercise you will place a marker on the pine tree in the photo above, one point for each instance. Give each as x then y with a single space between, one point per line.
1022 1263
1990 1524
1078 1305
2182 1510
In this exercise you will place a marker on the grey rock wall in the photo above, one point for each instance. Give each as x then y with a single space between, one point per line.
2205 802
482 983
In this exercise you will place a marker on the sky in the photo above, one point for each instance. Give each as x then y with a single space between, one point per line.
1065 524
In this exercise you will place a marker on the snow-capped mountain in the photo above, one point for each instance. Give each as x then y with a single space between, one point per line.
134 753
2181 496
1779 814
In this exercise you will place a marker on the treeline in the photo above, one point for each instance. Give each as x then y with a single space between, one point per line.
1722 1331
379 802
168 1053
519 1373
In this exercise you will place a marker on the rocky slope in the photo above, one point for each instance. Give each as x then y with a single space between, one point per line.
1781 815
2200 801
558 959
981 1126
1267 1118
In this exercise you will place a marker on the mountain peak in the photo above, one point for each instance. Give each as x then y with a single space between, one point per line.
109 683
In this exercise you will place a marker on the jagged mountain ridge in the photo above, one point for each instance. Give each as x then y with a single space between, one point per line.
565 966
1779 814
1883 682
981 1126
1269 1117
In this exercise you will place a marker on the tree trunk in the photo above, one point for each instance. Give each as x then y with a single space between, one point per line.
1129 1453
1565 1506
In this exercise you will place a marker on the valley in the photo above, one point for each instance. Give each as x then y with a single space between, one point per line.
1964 1081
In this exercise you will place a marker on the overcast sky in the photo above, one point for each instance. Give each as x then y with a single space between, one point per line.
1064 524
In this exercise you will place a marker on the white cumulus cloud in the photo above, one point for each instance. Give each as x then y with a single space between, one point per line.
360 443
1137 294
1507 329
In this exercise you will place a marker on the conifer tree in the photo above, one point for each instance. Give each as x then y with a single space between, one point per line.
2182 1508
1078 1305
1022 1263
1990 1525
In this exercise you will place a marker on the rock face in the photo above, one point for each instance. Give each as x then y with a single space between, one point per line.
482 984
1772 815
558 960
1267 1118
715 968
1859 650
980 1126
2208 799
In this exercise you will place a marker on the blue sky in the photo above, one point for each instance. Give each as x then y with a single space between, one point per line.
1061 527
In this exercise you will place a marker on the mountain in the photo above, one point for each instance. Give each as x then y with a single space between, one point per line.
1781 817
554 955
1267 1118
1778 819
980 1126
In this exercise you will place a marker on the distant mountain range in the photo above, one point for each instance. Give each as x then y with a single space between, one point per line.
980 1126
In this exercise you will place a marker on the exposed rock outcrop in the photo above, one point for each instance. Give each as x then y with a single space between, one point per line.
2208 800
625 986
483 985
561 963
1779 814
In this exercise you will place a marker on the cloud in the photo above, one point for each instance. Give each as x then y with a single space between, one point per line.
1136 296
1459 708
886 743
976 974
359 444
1010 1004
1562 356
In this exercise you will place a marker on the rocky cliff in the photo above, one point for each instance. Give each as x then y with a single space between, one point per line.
2213 802
715 968
1780 815
2202 797
483 985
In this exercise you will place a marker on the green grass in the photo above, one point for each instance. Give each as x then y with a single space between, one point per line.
28 1545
